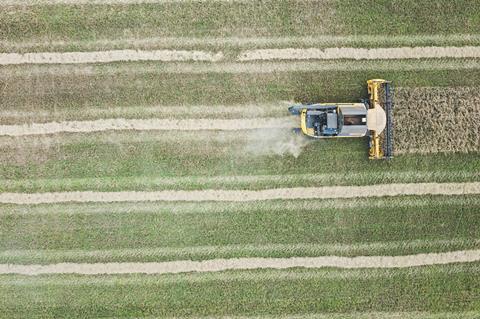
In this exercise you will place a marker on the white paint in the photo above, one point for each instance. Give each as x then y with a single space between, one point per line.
379 190
215 265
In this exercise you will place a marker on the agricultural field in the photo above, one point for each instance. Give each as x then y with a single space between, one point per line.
148 168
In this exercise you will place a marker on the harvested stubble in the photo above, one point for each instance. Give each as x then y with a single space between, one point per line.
430 120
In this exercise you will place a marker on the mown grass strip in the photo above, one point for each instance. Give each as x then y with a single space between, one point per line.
347 53
296 292
411 202
258 68
380 190
359 53
184 124
216 265
259 275
108 57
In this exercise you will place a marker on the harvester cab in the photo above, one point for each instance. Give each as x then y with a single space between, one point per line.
372 117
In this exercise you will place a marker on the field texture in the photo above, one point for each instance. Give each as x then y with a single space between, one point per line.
148 168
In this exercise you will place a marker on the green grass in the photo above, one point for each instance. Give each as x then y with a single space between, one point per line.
155 254
158 231
87 22
433 289
251 182
232 46
152 155
80 227
395 17
268 18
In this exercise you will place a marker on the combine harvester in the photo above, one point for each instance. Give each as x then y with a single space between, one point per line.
372 116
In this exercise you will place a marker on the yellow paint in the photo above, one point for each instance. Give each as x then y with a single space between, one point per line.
306 130
375 151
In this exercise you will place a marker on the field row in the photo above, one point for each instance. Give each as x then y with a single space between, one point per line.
108 161
149 168
63 91
426 120
51 96
158 231
249 293
85 22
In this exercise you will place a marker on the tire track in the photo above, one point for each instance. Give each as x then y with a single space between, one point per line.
216 265
145 125
379 190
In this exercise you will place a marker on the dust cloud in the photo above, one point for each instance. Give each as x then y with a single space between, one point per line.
278 141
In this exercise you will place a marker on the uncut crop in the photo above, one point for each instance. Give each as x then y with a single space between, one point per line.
430 120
